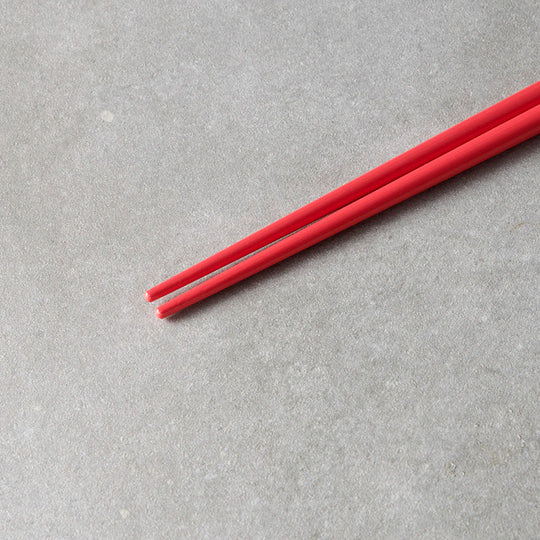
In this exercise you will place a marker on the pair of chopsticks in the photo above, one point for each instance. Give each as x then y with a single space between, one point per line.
494 130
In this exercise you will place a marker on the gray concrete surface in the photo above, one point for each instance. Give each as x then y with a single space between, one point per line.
383 384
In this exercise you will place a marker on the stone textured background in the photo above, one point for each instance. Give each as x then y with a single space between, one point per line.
382 384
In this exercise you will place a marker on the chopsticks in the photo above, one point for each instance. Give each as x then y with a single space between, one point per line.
482 147
416 157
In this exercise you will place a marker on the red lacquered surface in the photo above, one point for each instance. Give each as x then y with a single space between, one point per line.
382 175
467 155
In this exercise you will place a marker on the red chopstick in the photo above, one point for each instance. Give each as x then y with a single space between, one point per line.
355 189
498 139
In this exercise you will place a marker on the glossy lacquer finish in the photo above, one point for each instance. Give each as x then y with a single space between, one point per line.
453 162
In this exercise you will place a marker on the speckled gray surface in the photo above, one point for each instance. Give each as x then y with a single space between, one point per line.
383 384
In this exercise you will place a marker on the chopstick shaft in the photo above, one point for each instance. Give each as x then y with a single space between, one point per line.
500 138
357 188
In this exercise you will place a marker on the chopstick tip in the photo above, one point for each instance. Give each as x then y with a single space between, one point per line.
148 296
159 313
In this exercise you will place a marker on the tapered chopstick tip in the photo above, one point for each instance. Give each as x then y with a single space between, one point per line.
159 313
148 296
